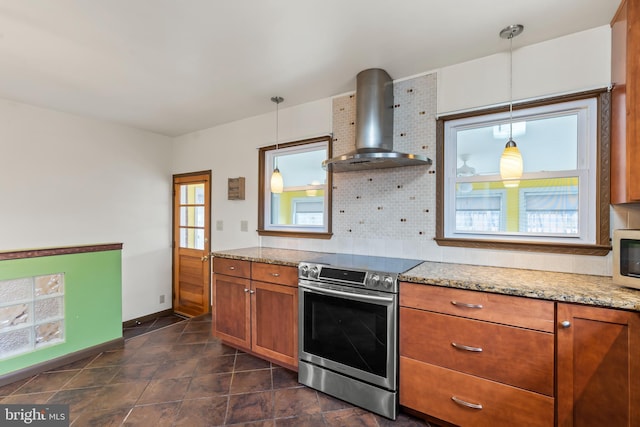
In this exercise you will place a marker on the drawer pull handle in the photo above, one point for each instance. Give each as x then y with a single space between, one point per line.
565 324
466 305
232 268
252 292
246 290
467 404
275 274
466 347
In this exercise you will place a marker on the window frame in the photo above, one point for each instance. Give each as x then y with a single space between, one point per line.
602 190
266 153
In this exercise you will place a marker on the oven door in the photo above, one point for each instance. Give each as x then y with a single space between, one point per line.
349 330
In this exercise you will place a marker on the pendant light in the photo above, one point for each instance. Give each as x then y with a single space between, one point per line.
277 184
511 159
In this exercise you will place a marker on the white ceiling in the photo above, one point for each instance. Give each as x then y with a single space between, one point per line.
177 66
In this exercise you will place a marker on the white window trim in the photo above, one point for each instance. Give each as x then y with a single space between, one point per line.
587 110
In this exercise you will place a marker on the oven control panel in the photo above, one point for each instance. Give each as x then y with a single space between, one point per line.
376 280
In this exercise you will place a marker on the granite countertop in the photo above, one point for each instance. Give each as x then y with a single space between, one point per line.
563 287
289 257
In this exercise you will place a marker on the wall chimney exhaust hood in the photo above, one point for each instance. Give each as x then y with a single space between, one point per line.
374 129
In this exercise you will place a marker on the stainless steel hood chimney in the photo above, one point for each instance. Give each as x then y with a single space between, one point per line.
374 128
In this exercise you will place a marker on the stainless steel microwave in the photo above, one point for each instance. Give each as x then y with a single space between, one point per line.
626 258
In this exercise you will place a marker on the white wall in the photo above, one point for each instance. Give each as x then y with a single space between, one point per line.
231 150
572 63
67 180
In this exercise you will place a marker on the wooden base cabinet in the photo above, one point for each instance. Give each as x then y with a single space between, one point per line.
232 310
598 367
476 359
256 308
466 400
274 316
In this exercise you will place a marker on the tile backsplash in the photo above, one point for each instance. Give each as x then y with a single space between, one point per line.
392 212
389 203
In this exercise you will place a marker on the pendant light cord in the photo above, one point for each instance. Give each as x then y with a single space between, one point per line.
277 126
277 122
277 100
511 88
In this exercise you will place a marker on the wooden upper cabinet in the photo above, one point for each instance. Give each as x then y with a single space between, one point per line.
598 367
625 108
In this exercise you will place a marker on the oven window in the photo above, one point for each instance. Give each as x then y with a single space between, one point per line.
349 332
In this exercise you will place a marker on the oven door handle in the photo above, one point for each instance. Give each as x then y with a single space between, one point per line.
346 294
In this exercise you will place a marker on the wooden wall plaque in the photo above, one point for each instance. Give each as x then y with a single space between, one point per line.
235 190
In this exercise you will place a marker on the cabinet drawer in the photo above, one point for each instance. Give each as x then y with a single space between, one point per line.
509 310
232 267
520 357
430 389
273 273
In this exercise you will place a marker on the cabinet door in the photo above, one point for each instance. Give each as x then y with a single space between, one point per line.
275 322
625 113
598 367
231 312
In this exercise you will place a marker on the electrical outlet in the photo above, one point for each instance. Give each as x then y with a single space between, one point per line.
244 225
219 225
161 299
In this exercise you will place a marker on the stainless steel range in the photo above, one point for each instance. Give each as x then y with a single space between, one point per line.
348 328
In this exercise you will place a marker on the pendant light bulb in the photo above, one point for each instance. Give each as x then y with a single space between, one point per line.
277 183
511 165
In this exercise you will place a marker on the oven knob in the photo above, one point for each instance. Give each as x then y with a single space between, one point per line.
374 281
304 270
388 282
314 272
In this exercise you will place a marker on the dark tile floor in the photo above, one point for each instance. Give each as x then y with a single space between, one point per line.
180 376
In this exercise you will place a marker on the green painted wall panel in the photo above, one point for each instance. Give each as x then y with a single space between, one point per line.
92 301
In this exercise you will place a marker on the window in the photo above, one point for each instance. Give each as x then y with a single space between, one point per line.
561 202
303 209
192 220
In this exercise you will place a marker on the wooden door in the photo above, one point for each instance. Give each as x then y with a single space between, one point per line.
231 321
191 246
275 322
598 367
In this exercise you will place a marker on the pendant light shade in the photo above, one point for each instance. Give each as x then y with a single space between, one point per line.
277 183
511 166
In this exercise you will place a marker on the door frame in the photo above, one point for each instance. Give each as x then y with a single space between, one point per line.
175 226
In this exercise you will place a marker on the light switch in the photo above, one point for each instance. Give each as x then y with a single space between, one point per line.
244 225
219 225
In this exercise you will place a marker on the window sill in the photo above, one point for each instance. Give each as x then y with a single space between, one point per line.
295 234
573 249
